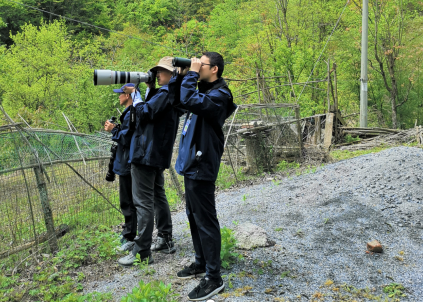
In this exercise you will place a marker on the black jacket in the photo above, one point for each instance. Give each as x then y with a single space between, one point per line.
155 131
208 108
122 136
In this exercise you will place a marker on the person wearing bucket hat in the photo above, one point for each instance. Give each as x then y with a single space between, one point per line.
122 135
150 153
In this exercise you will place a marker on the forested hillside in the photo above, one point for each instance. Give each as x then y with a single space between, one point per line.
47 62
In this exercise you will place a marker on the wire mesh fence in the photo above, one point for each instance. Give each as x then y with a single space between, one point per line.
260 135
51 181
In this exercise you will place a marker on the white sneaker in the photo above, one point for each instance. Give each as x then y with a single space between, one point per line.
127 260
126 246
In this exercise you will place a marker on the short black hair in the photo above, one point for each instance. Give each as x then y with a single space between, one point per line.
216 59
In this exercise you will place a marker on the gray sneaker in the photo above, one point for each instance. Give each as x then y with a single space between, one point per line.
164 246
130 259
126 246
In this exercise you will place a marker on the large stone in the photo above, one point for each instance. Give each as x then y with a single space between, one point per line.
250 236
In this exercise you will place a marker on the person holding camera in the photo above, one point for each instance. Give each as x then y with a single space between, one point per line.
200 151
122 135
151 152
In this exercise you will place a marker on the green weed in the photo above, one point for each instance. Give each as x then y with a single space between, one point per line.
151 292
226 178
350 139
52 280
143 266
227 255
394 290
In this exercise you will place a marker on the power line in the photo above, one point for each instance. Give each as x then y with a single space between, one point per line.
95 26
168 47
327 41
119 33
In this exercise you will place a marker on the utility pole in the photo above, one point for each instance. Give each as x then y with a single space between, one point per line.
363 79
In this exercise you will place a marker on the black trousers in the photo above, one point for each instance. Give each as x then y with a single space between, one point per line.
128 208
150 201
205 228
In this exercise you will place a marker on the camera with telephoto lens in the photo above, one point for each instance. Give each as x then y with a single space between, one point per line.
181 62
111 176
110 77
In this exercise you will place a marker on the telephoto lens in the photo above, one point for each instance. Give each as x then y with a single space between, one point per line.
110 77
181 62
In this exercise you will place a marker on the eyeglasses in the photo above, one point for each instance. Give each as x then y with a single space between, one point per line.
211 65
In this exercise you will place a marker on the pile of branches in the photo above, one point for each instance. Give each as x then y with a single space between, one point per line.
393 138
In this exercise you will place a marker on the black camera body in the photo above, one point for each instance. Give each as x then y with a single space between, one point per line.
111 176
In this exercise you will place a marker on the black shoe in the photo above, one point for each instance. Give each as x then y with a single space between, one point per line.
206 289
163 245
192 271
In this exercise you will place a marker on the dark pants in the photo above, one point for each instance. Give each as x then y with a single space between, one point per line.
127 207
150 200
205 229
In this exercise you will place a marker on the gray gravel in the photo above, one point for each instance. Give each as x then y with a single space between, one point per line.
320 223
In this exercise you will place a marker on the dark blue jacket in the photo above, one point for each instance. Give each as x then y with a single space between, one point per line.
208 108
122 136
155 131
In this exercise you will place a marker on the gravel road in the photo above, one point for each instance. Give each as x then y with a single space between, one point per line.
320 223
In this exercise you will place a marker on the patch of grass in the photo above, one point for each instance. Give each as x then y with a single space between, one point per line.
394 290
284 166
229 278
172 197
154 291
278 229
225 178
285 274
143 266
52 280
92 297
350 139
345 154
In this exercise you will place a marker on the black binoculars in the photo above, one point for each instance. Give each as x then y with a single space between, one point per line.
181 62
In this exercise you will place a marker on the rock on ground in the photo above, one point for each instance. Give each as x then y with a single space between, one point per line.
250 236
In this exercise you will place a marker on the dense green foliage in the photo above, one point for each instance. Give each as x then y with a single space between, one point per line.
47 63
55 279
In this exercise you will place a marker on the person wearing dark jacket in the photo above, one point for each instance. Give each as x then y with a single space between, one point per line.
122 135
150 153
200 152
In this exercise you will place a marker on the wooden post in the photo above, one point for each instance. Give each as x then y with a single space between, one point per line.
335 102
317 131
336 88
45 204
300 136
328 130
328 94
